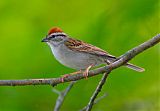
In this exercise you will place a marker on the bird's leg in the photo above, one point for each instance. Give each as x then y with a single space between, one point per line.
66 75
77 72
85 73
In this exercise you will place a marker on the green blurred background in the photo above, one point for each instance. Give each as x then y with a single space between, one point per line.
113 25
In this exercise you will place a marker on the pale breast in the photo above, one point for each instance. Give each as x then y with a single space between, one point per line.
73 59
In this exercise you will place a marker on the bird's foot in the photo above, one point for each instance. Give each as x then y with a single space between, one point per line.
85 73
67 75
77 72
64 76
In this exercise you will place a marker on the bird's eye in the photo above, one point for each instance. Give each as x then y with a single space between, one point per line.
52 36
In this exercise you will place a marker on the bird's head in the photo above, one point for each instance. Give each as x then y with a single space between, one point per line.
55 36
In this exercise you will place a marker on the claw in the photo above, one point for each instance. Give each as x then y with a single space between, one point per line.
64 76
85 73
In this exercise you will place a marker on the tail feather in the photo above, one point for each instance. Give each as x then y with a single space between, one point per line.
111 59
134 67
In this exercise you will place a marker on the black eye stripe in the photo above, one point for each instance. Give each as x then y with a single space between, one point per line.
53 36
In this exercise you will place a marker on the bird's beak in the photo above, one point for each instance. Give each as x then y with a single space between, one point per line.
45 40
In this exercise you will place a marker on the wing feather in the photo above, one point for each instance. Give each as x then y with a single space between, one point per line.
80 46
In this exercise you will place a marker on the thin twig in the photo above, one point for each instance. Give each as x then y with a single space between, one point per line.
95 102
100 98
54 81
62 96
96 92
56 91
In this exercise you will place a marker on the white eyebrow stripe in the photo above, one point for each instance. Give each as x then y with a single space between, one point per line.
58 33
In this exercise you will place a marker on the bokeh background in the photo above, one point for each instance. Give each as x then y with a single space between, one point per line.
114 25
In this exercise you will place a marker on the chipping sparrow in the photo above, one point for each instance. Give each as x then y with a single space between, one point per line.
77 54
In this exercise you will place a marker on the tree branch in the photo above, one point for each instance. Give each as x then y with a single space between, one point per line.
95 102
103 80
96 92
61 96
54 81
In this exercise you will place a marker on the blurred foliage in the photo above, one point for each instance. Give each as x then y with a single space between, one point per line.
115 26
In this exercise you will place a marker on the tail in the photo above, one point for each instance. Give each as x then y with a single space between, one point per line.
111 59
134 67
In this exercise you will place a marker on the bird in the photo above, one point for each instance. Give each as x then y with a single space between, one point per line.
77 54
